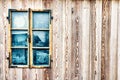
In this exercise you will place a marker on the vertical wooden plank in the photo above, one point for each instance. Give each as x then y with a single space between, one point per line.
25 4
98 39
79 44
6 5
16 4
85 39
67 39
95 40
113 41
18 74
76 40
58 55
118 70
2 44
25 74
31 4
63 31
92 36
46 4
105 54
38 4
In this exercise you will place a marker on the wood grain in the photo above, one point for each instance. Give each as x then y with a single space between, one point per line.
105 55
118 50
98 40
2 44
113 41
76 40
85 40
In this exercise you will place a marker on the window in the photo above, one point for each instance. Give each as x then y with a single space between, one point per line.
30 38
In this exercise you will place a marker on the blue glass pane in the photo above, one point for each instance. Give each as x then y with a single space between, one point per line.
41 20
41 38
40 57
19 56
19 20
19 38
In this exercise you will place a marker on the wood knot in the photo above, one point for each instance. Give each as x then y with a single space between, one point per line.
95 58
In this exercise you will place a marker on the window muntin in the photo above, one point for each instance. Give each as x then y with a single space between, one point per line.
30 38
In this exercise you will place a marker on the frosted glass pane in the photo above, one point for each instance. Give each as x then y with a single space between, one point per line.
41 20
19 56
19 20
41 38
40 57
19 38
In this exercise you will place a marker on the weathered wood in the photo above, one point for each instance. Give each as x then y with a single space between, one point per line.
67 39
98 40
105 55
2 44
76 40
85 40
118 51
58 45
6 5
92 35
113 41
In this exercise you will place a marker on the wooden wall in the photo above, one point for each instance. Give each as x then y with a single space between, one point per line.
86 40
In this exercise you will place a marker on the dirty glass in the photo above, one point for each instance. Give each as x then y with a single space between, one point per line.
19 20
19 56
41 20
40 38
40 57
19 38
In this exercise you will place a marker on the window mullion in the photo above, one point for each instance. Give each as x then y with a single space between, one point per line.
30 35
10 39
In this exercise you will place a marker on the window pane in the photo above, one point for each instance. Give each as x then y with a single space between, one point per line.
19 56
41 20
19 38
40 57
40 38
19 20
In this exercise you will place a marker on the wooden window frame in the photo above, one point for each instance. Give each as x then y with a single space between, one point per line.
30 42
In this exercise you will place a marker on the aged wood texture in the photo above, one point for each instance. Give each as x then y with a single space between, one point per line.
76 53
85 39
97 59
85 42
113 41
92 37
2 43
58 35
105 53
118 51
